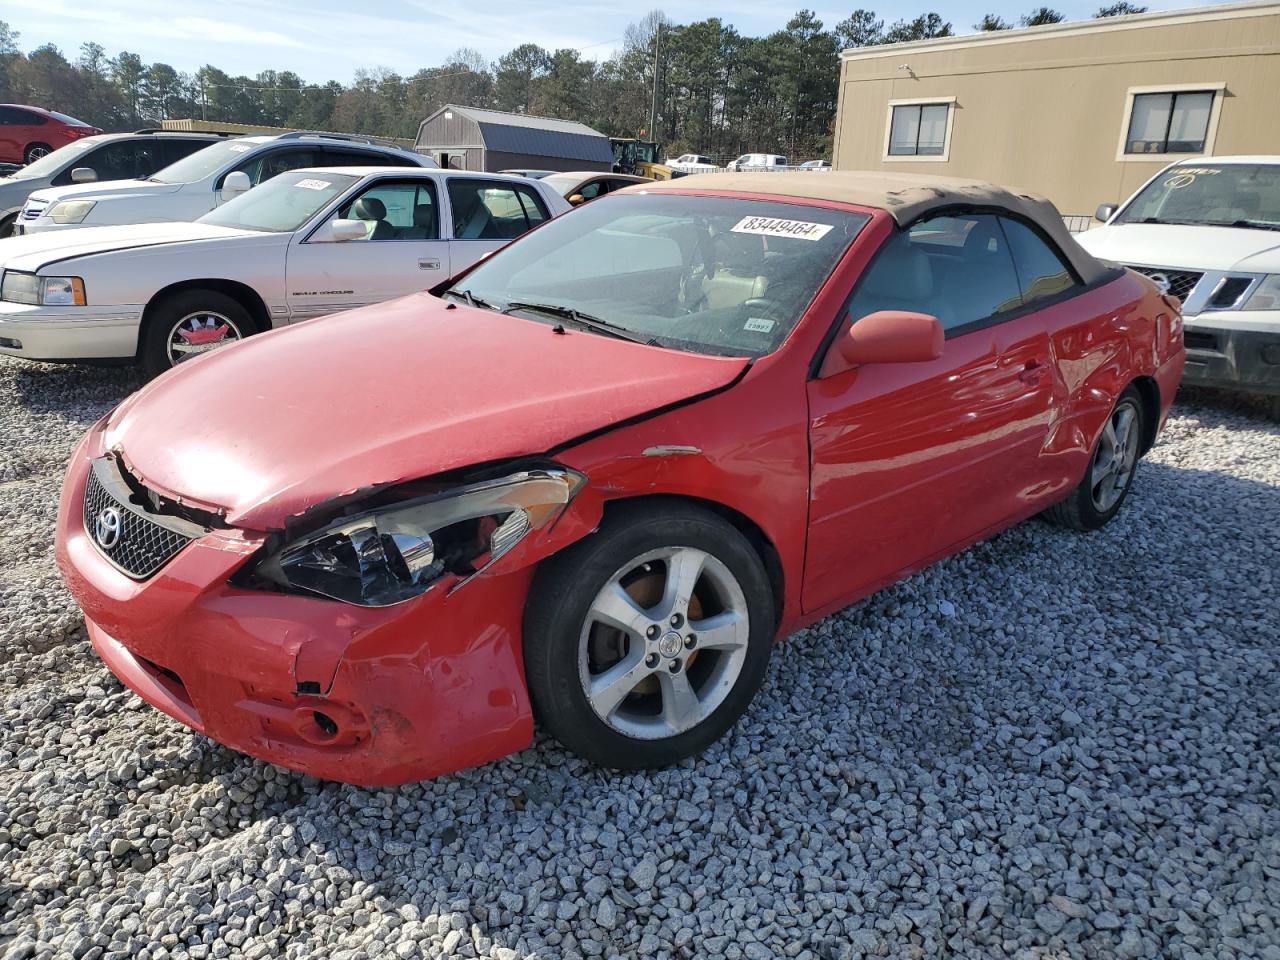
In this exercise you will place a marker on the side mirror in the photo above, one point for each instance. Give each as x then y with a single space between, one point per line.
84 175
343 230
886 336
1105 211
577 198
235 183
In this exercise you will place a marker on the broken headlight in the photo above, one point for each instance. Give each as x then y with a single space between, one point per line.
394 553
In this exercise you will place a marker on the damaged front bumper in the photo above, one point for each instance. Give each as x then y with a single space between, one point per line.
1238 351
371 696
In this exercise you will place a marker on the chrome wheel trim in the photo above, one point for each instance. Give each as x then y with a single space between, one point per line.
198 333
663 646
1113 462
35 153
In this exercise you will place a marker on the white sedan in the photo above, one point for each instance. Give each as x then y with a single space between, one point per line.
304 244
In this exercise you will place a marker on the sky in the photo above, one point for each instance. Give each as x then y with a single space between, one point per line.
325 40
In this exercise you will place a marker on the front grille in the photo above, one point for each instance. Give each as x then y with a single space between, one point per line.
1181 282
140 545
32 209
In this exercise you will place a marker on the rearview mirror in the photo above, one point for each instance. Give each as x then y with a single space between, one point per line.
1105 211
84 175
577 198
235 183
886 336
342 230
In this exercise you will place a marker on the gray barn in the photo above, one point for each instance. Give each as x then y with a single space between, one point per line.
468 138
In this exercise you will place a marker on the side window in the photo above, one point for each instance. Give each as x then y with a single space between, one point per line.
396 211
9 117
23 118
483 210
592 190
264 166
124 160
958 269
338 157
1041 271
172 149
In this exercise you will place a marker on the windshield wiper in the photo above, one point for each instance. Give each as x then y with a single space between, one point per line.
581 319
1252 224
470 299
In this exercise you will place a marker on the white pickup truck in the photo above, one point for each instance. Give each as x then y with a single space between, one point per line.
199 182
1208 230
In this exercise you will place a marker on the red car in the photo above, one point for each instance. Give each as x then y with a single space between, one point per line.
29 133
601 473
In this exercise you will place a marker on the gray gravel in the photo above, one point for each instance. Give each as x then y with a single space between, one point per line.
1051 746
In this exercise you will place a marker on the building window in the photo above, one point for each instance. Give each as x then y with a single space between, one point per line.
919 129
1169 122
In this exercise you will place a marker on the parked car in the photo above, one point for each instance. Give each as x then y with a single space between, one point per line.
693 163
817 166
531 174
408 529
29 133
308 242
581 186
196 184
758 162
112 156
1205 228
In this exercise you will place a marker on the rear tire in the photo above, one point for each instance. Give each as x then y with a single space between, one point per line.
6 226
687 662
187 324
35 151
1112 466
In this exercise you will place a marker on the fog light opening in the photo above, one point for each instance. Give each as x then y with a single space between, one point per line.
325 723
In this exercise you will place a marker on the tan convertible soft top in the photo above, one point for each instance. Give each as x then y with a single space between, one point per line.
905 196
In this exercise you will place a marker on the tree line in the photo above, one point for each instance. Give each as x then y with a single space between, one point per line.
718 92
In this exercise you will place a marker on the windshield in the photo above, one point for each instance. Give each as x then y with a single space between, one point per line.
1226 194
198 165
282 204
561 183
709 274
51 163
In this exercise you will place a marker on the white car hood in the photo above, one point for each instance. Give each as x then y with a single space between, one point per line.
1186 247
33 251
112 188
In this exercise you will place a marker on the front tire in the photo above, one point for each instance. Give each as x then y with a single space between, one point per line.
1110 473
6 226
647 641
188 324
35 151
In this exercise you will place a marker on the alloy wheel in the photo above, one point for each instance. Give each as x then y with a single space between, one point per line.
663 643
198 333
1115 458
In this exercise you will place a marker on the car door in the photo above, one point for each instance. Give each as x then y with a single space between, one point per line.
486 215
402 251
912 460
12 130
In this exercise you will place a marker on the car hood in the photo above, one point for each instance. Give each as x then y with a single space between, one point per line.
1186 247
268 428
111 188
36 250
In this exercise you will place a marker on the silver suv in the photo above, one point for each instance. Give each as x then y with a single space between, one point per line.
109 156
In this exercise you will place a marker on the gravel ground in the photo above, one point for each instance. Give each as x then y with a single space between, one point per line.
1052 745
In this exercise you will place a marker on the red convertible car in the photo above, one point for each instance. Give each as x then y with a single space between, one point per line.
596 477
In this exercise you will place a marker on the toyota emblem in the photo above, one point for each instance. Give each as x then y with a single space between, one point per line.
107 528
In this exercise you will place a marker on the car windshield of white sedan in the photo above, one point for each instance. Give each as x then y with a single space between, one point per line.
282 204
1215 194
198 165
709 274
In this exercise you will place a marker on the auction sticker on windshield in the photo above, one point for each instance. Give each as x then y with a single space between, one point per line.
312 184
773 227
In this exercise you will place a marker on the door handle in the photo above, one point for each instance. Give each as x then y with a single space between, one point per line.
1032 373
428 264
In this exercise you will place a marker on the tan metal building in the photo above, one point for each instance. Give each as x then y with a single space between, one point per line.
1082 112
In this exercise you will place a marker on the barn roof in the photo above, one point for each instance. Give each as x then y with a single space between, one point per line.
535 136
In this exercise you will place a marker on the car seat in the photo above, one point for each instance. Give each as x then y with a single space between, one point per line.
424 223
471 221
738 275
901 278
373 210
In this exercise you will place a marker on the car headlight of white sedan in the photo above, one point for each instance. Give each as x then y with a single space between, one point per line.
70 211
18 287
